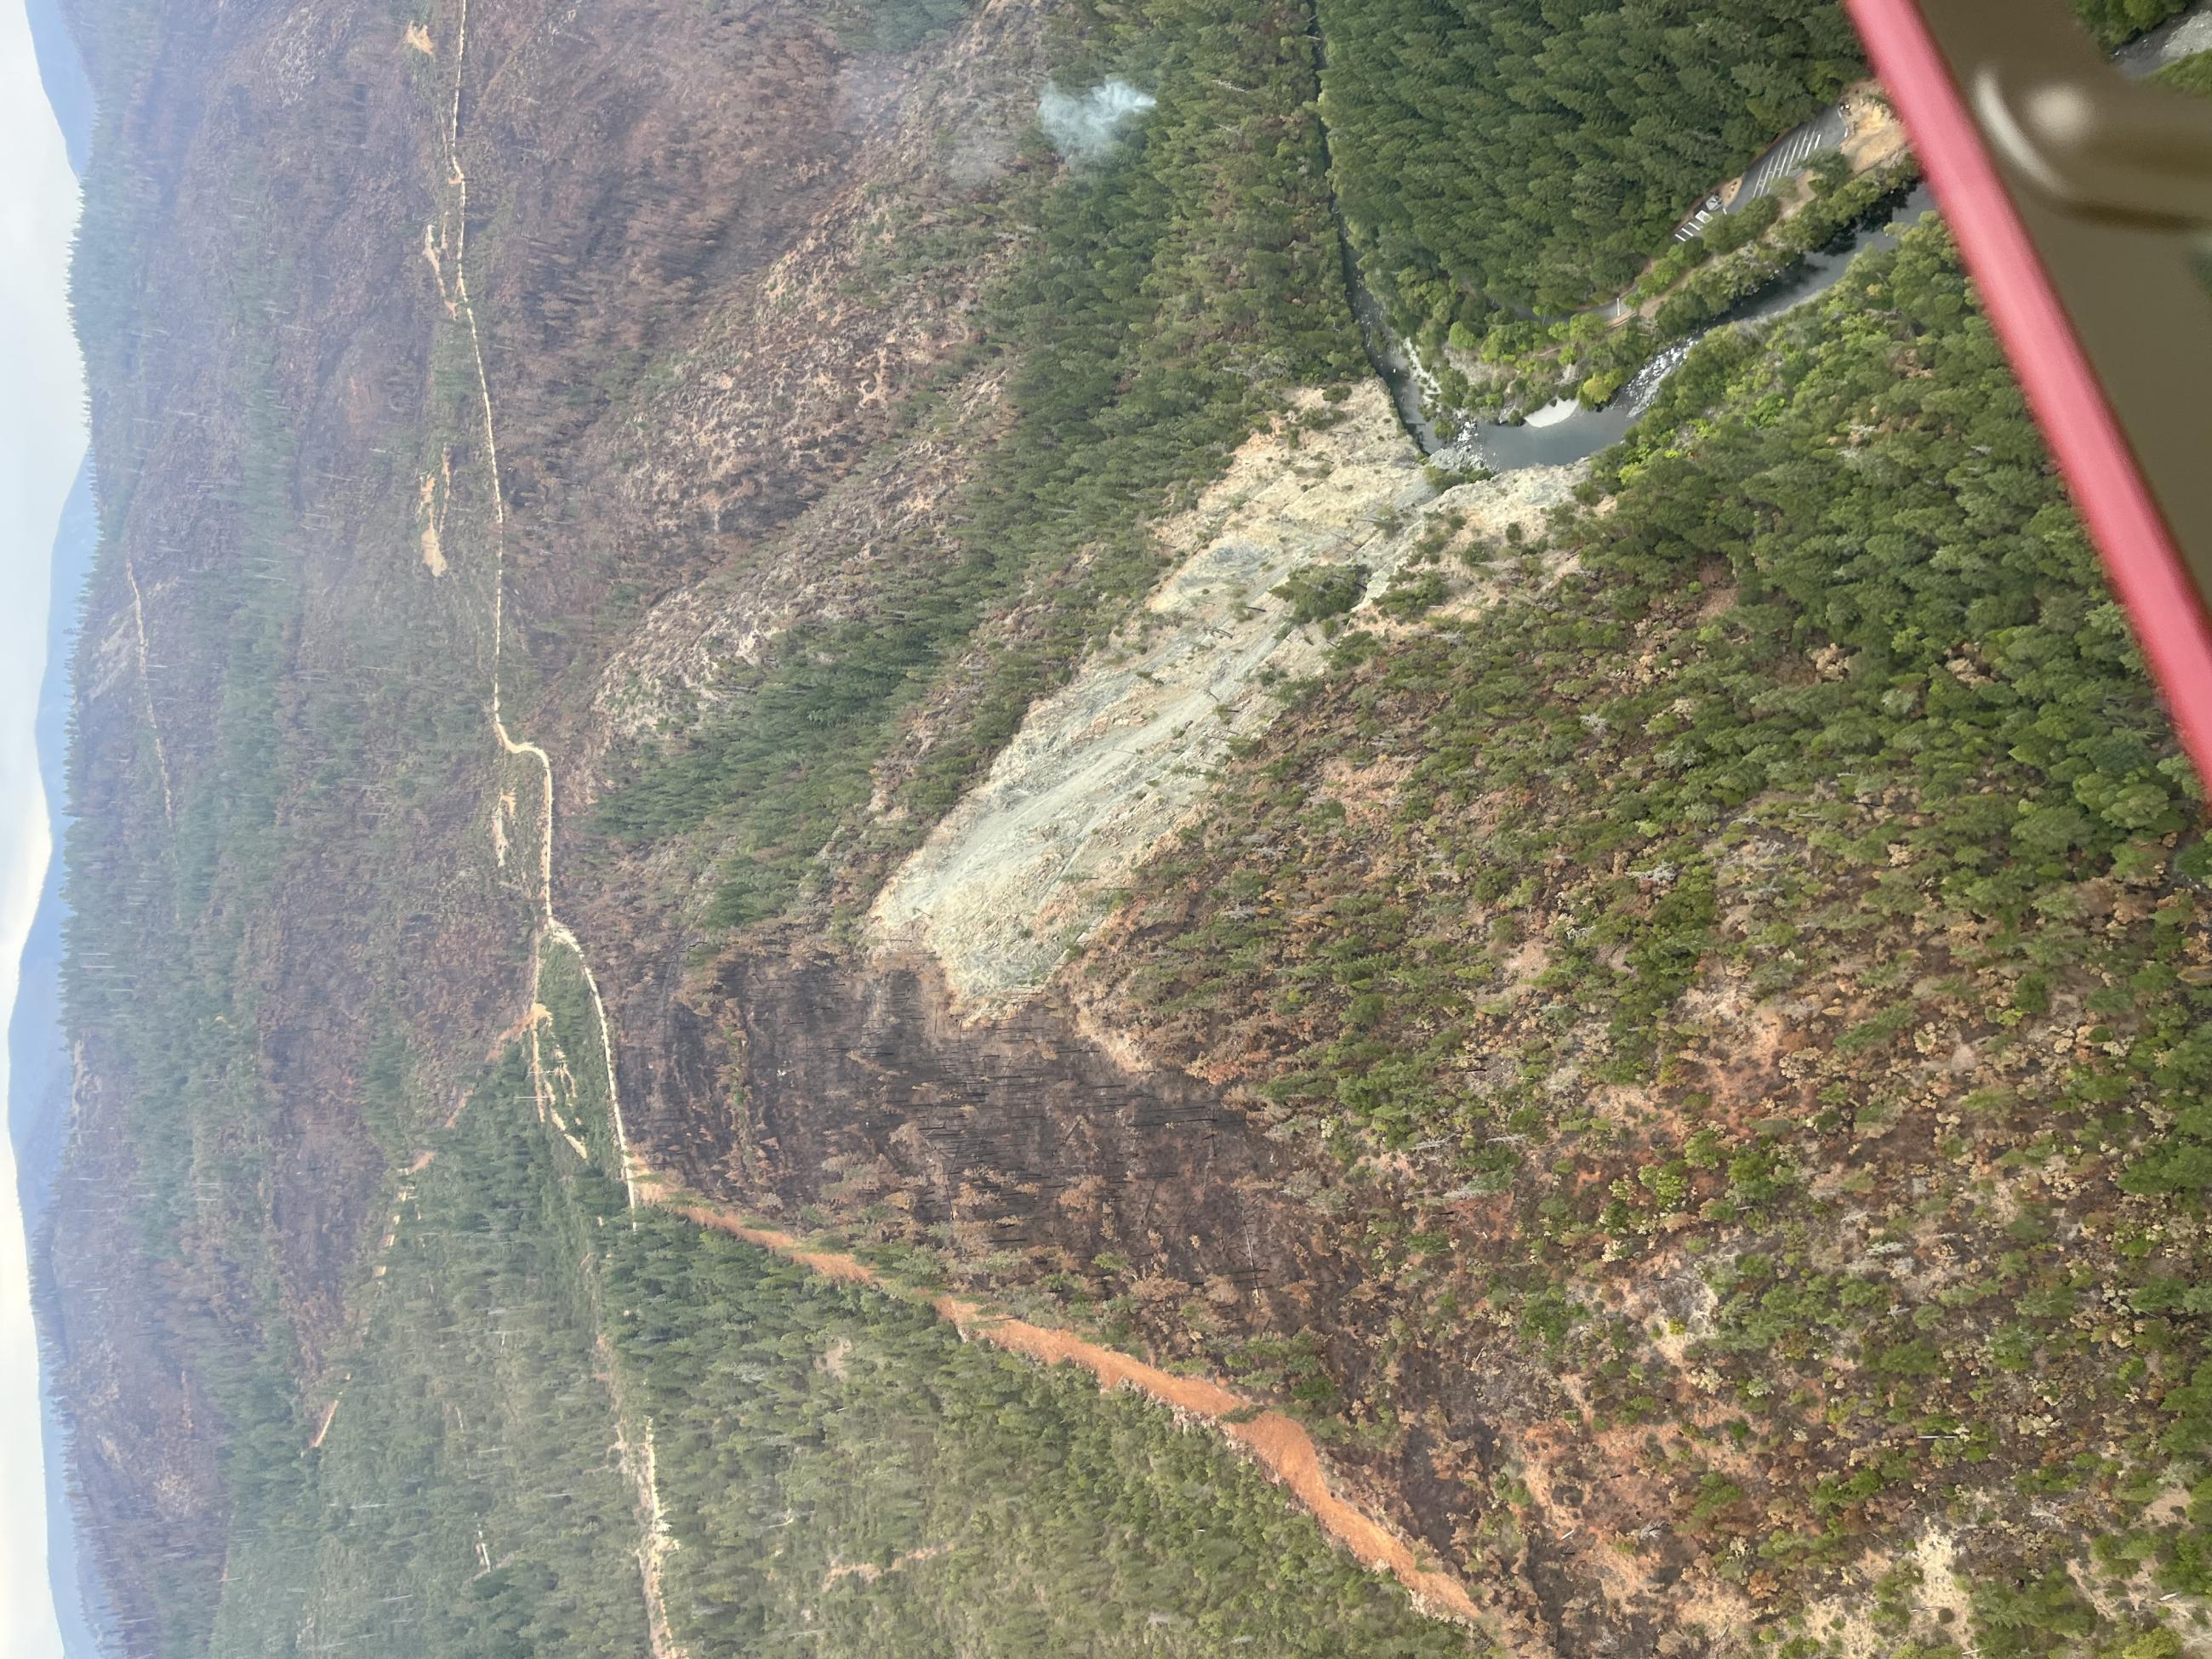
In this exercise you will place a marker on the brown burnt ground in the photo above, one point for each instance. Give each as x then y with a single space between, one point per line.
850 1094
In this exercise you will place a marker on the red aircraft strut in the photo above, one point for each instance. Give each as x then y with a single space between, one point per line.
2074 196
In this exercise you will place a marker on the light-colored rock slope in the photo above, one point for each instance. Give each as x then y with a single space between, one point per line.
1102 771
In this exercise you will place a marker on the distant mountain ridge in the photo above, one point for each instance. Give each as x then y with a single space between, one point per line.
39 1061
61 71
38 1104
37 1055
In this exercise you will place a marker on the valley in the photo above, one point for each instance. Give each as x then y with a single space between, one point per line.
823 899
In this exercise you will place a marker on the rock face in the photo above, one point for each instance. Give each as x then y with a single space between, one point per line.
1101 772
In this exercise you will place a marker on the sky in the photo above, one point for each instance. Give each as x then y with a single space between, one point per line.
42 441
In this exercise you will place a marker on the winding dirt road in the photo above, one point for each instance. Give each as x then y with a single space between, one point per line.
637 1450
146 689
1277 1442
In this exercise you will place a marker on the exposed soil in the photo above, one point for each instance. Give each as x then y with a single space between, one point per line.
863 1095
1279 1444
1103 769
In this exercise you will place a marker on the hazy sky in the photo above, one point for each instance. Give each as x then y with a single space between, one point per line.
42 439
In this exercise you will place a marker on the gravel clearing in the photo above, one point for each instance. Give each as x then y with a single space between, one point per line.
1022 869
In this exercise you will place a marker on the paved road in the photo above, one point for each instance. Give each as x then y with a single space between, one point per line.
1790 154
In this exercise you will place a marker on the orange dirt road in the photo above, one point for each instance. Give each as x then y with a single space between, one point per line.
1280 1444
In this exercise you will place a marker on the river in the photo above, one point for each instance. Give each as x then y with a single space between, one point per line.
1563 432
1566 431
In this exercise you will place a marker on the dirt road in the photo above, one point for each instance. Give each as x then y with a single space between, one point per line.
1279 1443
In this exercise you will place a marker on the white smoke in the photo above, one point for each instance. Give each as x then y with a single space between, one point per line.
1082 124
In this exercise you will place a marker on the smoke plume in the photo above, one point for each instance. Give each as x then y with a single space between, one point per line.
1082 125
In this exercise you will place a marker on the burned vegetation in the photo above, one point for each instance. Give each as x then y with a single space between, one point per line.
1669 1043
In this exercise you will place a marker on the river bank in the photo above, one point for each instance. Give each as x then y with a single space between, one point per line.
1566 431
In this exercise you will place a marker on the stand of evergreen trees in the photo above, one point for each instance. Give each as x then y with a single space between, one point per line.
841 1467
464 1502
1529 156
1532 155
1830 710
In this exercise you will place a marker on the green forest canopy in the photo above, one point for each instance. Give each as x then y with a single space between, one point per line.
1538 151
842 1463
1832 702
1535 153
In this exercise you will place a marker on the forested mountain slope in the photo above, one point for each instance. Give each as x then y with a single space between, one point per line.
1780 917
1504 161
1534 154
812 619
